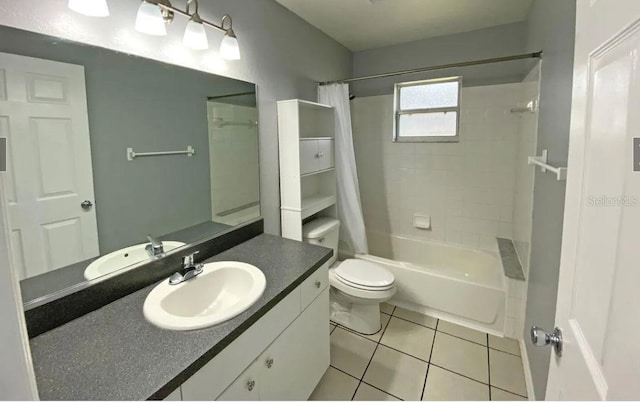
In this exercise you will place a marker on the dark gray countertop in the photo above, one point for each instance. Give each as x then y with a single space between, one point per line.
114 354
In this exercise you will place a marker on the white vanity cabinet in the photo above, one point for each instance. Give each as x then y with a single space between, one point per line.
280 357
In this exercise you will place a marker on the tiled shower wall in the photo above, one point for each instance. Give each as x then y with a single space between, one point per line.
467 188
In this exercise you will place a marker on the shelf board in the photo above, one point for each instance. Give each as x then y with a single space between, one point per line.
316 203
306 103
318 172
316 138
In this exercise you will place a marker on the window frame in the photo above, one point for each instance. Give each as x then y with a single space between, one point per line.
397 111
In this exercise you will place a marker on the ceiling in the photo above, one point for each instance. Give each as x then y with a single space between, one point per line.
368 24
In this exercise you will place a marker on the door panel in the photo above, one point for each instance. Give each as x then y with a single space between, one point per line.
308 156
598 296
44 116
325 148
297 368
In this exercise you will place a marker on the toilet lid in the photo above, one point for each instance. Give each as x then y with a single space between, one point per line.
364 273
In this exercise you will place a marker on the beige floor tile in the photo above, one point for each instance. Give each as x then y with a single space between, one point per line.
334 386
500 395
463 332
366 392
507 372
463 357
349 352
443 385
396 373
408 337
418 318
504 344
386 308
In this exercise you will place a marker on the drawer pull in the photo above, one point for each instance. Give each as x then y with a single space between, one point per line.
318 283
251 384
270 362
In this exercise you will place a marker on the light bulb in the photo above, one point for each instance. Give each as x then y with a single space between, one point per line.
229 48
195 36
91 8
149 19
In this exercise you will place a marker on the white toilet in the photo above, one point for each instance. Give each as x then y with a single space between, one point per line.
357 286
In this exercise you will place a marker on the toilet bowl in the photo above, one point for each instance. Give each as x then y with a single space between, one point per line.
357 286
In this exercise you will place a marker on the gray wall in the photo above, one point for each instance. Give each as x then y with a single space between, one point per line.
281 53
149 106
551 27
485 43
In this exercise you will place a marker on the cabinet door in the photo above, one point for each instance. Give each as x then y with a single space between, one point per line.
294 363
326 154
245 388
308 156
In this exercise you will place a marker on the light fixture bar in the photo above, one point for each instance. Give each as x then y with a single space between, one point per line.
186 14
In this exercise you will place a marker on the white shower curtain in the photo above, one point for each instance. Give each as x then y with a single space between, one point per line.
352 230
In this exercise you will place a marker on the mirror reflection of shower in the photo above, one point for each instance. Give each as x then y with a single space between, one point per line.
233 150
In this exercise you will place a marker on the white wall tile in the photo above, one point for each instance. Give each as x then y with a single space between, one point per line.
467 187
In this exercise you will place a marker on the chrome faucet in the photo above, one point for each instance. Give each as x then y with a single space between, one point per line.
189 270
154 247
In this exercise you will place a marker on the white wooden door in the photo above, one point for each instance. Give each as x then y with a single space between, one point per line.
599 290
43 113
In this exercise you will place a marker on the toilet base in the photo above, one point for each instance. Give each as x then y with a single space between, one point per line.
362 318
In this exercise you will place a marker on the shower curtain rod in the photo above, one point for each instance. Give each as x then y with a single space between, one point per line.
535 55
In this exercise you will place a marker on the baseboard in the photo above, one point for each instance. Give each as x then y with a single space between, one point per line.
528 379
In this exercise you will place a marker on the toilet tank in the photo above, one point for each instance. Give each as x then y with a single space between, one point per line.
323 232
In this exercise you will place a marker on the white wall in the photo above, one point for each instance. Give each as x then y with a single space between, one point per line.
467 187
502 40
281 53
552 28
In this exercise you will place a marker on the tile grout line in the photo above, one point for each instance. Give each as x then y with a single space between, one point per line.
489 367
373 354
424 386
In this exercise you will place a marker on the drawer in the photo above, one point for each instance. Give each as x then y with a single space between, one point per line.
314 285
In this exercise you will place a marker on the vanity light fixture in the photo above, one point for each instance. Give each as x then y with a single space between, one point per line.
91 8
150 19
195 37
229 48
154 14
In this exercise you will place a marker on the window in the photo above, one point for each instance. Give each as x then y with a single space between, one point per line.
427 110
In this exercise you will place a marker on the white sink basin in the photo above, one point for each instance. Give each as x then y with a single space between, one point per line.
118 259
222 291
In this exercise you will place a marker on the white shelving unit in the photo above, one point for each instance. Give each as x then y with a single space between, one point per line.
306 141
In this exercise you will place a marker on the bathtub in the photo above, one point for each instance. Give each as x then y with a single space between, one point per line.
455 283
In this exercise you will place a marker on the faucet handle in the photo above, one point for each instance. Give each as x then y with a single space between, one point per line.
187 260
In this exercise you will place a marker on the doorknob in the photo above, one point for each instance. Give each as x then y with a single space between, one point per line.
86 205
539 337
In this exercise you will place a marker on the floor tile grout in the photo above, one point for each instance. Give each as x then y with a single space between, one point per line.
433 342
373 354
489 367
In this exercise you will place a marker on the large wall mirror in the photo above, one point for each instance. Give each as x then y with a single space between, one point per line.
115 159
